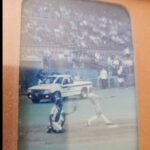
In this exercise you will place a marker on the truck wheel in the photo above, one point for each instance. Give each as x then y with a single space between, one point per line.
84 93
35 101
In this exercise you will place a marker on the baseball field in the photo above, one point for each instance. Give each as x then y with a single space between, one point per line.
119 105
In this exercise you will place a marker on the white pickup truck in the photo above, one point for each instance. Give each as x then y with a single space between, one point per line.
63 85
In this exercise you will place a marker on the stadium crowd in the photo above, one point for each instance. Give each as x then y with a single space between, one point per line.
109 67
98 37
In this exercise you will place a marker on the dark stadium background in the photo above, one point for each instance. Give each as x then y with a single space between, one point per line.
60 35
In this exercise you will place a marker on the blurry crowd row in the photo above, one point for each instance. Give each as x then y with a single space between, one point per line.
72 25
105 71
96 60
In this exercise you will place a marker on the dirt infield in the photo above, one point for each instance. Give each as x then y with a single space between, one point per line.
79 133
121 110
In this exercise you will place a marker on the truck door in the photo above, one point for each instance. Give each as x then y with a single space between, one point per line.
66 87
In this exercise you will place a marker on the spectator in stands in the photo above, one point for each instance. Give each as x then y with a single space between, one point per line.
97 57
120 75
110 65
109 61
128 64
127 52
42 76
67 73
46 57
115 64
104 78
77 76
128 68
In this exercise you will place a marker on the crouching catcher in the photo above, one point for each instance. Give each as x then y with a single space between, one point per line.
57 117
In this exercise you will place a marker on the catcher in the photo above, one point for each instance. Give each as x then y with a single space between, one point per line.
57 117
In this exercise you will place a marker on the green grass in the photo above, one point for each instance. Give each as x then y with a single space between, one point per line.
115 103
117 145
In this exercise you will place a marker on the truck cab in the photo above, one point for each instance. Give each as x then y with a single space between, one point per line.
63 85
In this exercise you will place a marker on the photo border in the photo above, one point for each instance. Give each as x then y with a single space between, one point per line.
138 10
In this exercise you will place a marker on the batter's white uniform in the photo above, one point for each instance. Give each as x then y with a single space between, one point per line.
94 98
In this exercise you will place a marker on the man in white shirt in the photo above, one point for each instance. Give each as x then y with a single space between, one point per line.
116 62
104 78
127 52
120 76
77 77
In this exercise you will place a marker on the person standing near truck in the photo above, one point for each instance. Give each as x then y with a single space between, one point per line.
42 76
103 78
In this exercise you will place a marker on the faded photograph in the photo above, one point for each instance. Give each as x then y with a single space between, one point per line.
77 77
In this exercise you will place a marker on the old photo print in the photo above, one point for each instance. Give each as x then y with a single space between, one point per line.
77 77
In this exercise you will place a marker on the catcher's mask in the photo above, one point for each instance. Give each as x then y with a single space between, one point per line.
58 100
58 103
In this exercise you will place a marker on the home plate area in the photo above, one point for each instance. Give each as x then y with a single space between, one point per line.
78 132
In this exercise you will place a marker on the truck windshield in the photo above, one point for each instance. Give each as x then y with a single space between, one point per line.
50 80
59 80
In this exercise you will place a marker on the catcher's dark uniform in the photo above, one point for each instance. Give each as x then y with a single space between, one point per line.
56 118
